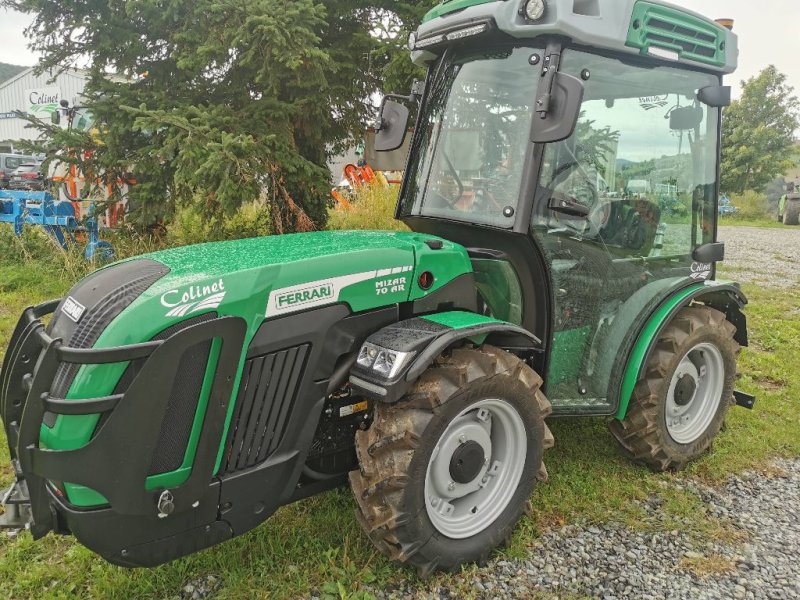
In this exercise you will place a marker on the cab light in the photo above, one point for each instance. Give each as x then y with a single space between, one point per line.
431 41
467 32
534 10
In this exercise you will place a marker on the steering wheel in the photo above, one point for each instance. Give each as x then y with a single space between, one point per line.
454 173
592 225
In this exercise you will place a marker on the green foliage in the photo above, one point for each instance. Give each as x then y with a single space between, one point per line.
394 21
372 207
596 142
758 132
750 206
190 226
35 247
222 102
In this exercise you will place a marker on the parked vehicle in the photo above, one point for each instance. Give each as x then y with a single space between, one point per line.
28 176
789 206
726 207
9 164
177 400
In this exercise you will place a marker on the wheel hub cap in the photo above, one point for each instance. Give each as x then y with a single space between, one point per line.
467 462
684 390
695 393
475 468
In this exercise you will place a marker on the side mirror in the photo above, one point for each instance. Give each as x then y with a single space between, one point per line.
686 118
710 253
715 96
55 117
393 122
565 108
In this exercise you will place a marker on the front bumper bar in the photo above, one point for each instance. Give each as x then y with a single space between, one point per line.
116 460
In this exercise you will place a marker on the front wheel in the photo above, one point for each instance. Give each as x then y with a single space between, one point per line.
679 405
446 473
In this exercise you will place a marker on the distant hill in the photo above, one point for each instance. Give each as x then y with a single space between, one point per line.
8 71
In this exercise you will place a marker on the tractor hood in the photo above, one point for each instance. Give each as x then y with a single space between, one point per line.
264 278
255 279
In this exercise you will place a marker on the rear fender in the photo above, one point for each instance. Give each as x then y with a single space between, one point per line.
417 342
727 297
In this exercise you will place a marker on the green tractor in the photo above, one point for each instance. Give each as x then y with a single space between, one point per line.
174 401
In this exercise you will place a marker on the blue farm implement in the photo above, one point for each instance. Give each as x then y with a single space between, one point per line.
58 219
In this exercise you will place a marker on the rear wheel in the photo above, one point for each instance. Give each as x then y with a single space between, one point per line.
791 213
446 473
679 405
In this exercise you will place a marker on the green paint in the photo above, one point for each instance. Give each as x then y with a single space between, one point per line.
449 6
383 267
465 320
499 285
643 343
567 354
691 37
462 320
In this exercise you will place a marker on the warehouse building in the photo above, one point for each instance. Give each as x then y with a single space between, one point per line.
37 95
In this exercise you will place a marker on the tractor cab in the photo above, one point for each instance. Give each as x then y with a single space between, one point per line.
581 174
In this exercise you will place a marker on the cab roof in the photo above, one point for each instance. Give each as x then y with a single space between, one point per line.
650 28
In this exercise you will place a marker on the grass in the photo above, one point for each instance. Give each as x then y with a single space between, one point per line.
317 544
370 207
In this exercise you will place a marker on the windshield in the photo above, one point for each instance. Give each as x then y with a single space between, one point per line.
474 135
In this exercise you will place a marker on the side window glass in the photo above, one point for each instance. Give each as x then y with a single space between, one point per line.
642 160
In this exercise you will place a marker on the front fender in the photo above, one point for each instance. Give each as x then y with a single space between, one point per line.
725 296
415 344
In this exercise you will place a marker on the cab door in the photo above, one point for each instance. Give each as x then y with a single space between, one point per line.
639 180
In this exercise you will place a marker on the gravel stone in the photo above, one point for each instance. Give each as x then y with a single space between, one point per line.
201 588
768 257
611 561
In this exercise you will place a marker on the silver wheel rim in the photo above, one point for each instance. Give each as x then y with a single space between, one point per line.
462 510
689 415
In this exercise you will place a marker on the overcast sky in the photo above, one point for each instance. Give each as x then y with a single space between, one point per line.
767 29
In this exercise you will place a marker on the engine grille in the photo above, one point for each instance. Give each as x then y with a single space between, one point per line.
666 27
269 387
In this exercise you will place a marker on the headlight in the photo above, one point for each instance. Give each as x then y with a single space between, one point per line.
367 355
412 41
384 362
534 10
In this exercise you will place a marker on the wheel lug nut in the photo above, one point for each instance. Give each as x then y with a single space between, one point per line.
462 439
452 486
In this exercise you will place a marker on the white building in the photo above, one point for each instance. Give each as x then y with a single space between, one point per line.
37 95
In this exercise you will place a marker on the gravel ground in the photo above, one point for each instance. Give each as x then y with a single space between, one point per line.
611 561
764 256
